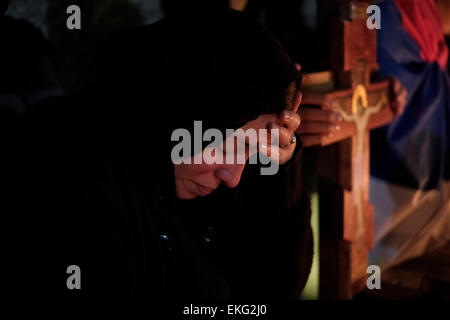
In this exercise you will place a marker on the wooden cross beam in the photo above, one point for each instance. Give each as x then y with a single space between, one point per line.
346 215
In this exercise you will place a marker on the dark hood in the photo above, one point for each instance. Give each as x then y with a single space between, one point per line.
220 67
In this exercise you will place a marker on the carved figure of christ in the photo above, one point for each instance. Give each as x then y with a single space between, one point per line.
361 113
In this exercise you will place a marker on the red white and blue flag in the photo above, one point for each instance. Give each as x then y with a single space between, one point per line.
410 163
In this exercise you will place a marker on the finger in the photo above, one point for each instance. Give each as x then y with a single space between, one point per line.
274 154
401 102
265 148
317 128
402 97
398 88
319 115
289 119
285 154
284 135
264 141
311 140
297 66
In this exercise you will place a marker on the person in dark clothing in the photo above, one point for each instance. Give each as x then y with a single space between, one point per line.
132 220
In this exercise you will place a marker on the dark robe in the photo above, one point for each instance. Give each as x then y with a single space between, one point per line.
251 241
95 197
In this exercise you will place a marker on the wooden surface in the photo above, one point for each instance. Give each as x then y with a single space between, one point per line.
346 215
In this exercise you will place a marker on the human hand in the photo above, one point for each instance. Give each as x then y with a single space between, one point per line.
317 122
397 96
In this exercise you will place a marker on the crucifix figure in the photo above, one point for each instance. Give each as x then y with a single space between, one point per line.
360 116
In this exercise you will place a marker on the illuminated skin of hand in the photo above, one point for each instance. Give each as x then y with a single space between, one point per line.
317 123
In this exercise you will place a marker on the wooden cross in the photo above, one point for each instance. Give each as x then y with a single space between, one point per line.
346 215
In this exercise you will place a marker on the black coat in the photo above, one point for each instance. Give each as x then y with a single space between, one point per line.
90 180
73 204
